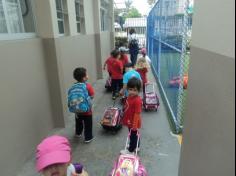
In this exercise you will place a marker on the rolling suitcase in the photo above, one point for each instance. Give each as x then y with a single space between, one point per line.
150 98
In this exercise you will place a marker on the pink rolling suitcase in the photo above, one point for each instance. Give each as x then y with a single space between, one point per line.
111 119
150 98
129 164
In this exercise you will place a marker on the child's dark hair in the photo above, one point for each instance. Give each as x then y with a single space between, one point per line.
132 31
79 74
115 53
134 83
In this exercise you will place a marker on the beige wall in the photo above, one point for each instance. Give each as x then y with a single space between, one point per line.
25 107
209 126
89 14
106 45
75 52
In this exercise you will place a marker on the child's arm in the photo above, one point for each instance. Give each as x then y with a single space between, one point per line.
91 91
137 115
136 121
104 66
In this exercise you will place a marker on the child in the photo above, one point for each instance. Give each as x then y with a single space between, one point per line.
123 57
144 55
116 74
129 73
108 63
83 120
53 158
132 112
142 68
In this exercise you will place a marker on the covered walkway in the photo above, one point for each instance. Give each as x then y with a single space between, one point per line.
160 150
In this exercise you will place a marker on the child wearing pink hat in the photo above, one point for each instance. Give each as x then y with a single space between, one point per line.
53 158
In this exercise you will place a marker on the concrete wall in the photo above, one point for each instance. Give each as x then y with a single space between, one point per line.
209 126
25 107
75 52
106 45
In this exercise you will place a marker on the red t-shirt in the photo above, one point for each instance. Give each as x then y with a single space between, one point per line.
91 94
143 74
124 59
116 69
133 105
109 63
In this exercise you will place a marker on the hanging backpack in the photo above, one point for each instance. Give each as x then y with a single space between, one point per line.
79 100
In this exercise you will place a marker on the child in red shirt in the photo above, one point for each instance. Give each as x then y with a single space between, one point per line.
123 57
108 63
116 69
142 68
132 112
84 120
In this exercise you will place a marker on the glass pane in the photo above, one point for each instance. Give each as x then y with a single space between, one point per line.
58 5
78 28
61 27
77 9
28 16
59 15
3 25
14 16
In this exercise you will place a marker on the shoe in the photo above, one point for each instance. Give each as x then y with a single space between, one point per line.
88 141
123 152
113 97
78 135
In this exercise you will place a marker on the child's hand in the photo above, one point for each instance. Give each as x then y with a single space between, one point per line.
121 93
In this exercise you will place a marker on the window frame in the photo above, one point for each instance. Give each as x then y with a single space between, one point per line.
104 7
9 35
79 15
64 12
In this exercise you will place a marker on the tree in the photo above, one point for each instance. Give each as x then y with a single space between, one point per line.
128 4
133 13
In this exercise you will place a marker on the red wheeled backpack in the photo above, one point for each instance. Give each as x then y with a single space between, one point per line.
150 98
111 119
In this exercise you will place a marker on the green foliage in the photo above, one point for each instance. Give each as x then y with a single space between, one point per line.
121 41
133 13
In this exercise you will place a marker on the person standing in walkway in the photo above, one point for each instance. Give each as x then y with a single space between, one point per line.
129 73
84 119
116 69
132 113
108 63
123 57
53 157
133 46
142 68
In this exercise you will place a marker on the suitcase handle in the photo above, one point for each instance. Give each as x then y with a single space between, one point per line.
153 87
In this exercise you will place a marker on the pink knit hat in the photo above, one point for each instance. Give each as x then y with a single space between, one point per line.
143 51
52 150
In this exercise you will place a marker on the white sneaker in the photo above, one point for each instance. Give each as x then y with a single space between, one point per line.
123 152
88 141
78 135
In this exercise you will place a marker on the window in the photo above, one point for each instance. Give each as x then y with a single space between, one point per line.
16 17
79 10
105 15
62 15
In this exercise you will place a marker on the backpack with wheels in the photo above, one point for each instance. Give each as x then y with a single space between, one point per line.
129 164
79 100
111 119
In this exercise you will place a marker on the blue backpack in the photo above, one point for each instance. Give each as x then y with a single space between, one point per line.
79 100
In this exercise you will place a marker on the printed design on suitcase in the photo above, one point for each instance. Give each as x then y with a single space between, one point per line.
127 165
108 83
151 98
110 117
